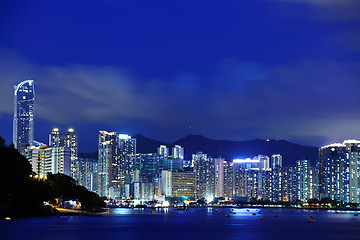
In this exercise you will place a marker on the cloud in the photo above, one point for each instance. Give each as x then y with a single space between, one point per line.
333 10
307 100
101 94
326 3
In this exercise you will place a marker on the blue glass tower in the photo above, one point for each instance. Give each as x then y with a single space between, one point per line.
23 129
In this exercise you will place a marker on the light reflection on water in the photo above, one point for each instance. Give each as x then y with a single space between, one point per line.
196 223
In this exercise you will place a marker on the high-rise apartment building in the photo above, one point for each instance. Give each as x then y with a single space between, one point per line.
127 155
178 152
228 180
277 178
220 166
252 178
224 172
304 180
87 173
353 155
290 183
150 162
108 164
333 172
61 160
40 158
204 168
46 159
339 171
264 162
65 146
163 150
23 125
178 184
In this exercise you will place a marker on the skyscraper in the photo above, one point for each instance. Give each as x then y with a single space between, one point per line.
108 165
178 152
23 128
333 172
204 168
277 178
163 150
339 171
127 154
304 179
353 155
65 143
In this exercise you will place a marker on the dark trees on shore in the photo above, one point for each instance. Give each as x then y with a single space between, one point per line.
23 195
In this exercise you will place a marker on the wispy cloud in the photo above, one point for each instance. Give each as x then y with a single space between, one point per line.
326 3
240 100
331 9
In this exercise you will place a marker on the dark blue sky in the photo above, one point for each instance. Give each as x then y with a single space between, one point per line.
234 70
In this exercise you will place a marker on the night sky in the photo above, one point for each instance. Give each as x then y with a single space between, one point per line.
235 70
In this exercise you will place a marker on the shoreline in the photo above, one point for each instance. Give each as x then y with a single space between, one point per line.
59 212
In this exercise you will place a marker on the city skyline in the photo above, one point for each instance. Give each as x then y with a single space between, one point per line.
237 71
120 172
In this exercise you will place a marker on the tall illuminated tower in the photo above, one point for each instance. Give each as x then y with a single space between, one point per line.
66 143
23 128
127 154
108 165
333 172
276 178
204 168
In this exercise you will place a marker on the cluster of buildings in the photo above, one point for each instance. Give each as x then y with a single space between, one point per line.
120 172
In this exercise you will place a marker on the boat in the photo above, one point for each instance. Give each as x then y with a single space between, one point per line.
7 218
311 220
275 215
356 214
233 212
262 218
181 207
254 214
227 215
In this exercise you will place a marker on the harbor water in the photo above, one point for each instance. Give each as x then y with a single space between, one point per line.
195 223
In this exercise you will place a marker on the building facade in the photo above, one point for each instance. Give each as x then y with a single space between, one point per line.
204 168
108 164
68 145
23 125
339 170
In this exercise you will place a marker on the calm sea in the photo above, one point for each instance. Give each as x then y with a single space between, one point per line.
201 223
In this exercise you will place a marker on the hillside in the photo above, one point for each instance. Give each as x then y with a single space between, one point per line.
229 149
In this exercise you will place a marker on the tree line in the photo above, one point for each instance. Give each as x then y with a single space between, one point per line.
21 194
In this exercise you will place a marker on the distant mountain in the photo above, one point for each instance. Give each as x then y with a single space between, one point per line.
147 145
244 149
229 149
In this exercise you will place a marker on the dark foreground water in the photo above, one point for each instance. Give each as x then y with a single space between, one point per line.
202 223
